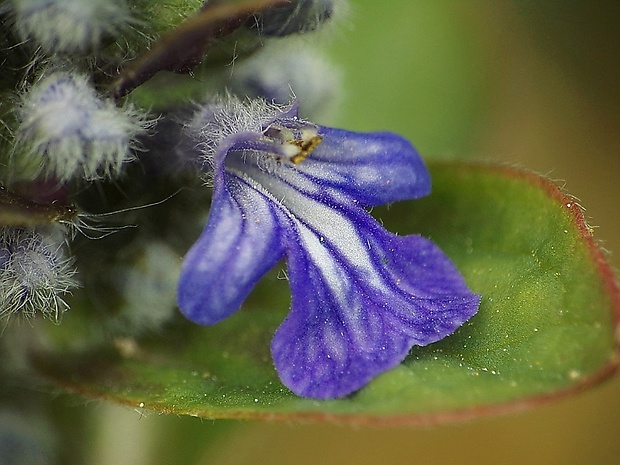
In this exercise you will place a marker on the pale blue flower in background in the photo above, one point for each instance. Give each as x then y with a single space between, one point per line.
291 68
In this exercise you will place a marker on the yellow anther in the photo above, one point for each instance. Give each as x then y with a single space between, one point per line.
306 146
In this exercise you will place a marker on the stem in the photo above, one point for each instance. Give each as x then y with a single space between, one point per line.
183 48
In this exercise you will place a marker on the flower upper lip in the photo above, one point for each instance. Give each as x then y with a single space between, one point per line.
361 296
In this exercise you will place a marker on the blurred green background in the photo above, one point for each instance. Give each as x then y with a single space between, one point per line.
527 83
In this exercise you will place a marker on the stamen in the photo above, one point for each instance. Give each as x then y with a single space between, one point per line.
296 148
309 140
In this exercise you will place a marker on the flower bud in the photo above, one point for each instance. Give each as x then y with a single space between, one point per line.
34 272
69 26
67 131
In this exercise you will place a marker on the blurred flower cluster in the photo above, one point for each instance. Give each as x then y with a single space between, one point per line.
81 158
124 120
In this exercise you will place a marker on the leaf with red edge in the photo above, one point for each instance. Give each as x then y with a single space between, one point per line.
547 325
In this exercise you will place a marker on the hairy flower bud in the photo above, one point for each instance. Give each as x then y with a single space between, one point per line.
68 131
34 273
69 26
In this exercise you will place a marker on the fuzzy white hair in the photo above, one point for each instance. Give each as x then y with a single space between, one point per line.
67 131
225 116
35 273
69 26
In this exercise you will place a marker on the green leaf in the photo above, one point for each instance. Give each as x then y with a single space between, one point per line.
546 327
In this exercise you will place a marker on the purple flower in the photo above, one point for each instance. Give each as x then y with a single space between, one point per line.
361 296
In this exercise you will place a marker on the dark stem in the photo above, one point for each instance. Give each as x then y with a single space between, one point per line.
184 48
18 211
